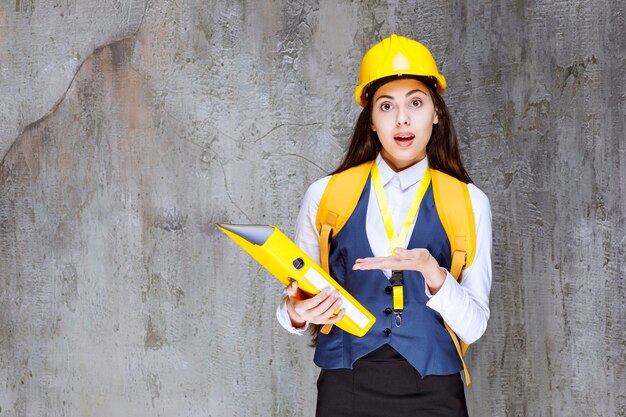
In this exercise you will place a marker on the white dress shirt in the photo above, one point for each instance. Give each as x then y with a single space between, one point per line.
465 306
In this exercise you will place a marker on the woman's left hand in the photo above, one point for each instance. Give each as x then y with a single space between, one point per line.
418 259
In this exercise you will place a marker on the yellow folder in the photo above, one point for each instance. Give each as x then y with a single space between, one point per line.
287 262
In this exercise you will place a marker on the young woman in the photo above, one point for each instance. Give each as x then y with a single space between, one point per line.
407 364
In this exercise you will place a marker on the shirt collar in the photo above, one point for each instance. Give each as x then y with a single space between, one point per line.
408 177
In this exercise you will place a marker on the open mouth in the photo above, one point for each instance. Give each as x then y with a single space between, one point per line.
403 138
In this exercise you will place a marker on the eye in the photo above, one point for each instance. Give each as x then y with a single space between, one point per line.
385 106
416 102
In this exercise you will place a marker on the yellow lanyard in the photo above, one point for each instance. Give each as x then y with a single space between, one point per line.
400 239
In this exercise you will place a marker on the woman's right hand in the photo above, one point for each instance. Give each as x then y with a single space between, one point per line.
318 309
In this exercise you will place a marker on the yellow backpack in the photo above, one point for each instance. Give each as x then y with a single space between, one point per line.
453 206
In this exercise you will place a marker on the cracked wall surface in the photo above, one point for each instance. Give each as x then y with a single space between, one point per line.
128 128
42 45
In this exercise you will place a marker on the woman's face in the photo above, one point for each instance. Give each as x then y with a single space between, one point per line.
403 115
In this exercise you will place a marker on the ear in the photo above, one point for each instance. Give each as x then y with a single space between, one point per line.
373 127
436 120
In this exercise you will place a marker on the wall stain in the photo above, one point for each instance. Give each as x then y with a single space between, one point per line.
154 338
171 221
154 386
69 287
157 290
25 6
121 42
574 72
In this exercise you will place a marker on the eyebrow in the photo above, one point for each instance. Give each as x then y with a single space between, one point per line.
417 90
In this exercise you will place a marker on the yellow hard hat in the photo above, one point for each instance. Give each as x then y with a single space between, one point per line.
396 55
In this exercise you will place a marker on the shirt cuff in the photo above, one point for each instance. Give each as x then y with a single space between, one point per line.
283 318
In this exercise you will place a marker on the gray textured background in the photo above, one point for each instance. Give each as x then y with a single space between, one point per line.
128 128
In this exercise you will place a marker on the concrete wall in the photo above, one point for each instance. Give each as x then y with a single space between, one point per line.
128 128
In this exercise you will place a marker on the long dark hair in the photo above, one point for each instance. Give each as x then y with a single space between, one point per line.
442 149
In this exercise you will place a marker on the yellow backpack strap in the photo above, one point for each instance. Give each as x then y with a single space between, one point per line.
336 206
457 217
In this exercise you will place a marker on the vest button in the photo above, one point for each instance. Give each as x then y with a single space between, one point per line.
388 289
387 331
388 311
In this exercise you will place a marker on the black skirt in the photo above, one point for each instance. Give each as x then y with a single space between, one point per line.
384 384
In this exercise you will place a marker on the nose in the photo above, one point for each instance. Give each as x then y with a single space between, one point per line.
402 118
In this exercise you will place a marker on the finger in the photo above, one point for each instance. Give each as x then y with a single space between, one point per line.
416 253
313 312
327 307
328 316
310 303
335 319
292 288
373 258
333 308
321 296
366 261
377 258
395 263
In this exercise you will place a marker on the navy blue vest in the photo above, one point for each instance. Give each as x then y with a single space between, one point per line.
422 338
